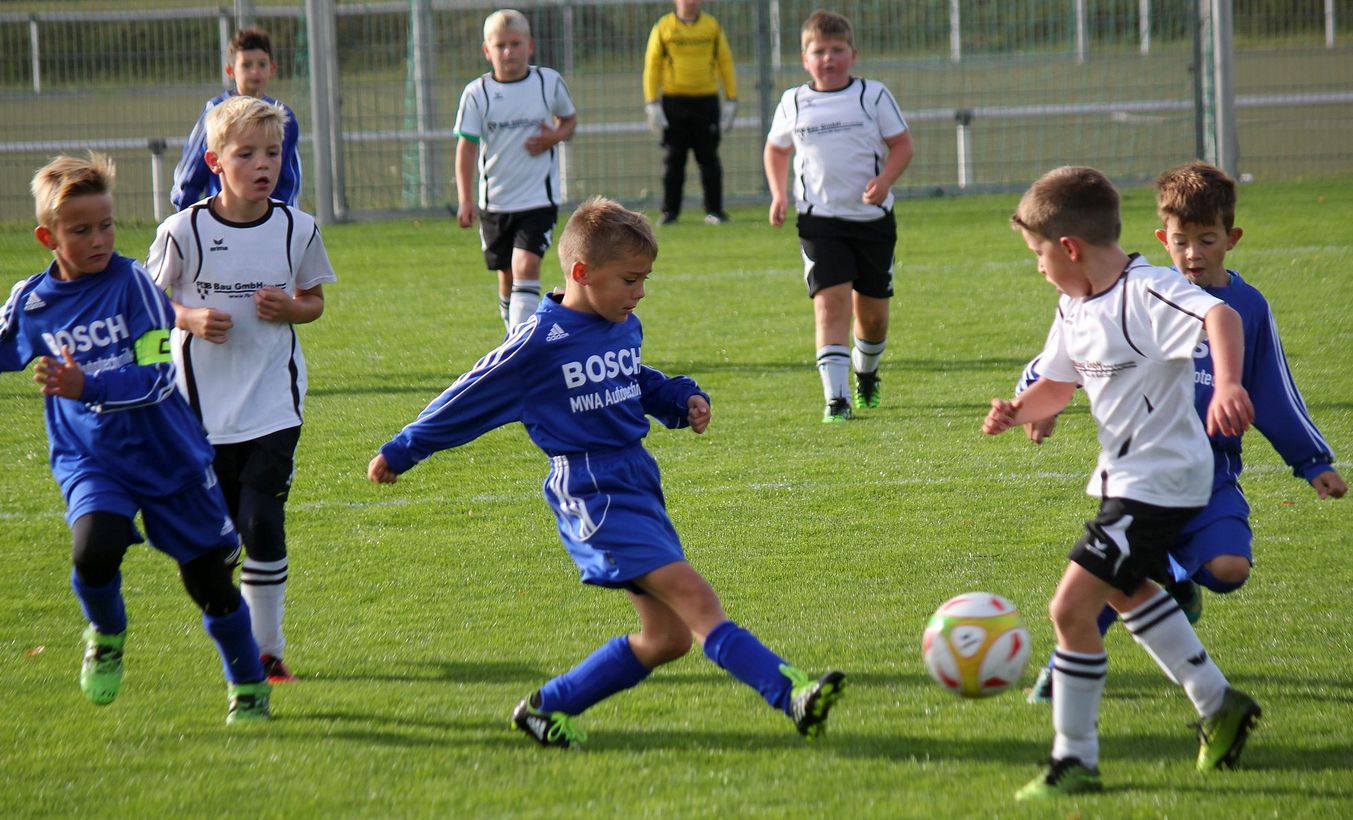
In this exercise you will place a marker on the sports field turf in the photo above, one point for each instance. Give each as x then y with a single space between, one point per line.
419 614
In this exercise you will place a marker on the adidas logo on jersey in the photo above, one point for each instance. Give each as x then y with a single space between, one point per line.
34 302
556 333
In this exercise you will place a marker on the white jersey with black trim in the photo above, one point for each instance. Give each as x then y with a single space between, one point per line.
838 140
1131 348
254 383
500 117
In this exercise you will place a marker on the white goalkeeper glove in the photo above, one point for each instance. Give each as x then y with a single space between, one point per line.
727 112
657 121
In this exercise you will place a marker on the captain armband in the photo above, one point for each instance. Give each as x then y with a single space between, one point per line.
153 347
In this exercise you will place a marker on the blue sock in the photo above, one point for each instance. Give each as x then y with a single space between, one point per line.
742 655
1214 583
102 605
611 668
235 642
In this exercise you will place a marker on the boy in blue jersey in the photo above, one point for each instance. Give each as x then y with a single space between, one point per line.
1196 203
122 439
251 66
572 374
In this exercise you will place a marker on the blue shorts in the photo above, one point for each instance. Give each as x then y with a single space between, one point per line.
1222 528
611 515
184 524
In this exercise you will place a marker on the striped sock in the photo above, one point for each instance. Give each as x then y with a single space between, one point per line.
1077 683
1163 630
833 365
264 586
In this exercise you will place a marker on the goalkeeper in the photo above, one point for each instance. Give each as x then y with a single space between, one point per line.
687 58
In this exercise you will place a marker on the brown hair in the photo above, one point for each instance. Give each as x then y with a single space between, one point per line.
249 38
826 25
601 231
1196 194
65 177
1071 201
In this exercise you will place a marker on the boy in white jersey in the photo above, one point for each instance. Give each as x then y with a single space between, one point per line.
508 124
1126 332
850 144
243 270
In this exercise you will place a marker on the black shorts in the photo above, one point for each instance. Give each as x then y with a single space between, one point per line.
267 464
529 230
1129 542
836 251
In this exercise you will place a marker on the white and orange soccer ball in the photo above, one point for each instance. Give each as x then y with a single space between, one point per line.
975 645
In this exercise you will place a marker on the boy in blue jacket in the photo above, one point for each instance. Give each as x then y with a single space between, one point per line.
122 438
573 375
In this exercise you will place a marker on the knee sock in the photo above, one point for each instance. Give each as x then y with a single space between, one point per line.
239 653
102 605
1163 630
523 302
611 668
865 357
264 586
833 365
1077 683
504 303
742 655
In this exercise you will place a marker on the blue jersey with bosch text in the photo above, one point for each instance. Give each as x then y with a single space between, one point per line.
131 424
576 382
194 181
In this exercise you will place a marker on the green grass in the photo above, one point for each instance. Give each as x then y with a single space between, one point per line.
420 614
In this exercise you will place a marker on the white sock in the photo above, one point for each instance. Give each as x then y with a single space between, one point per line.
833 365
503 305
525 299
264 587
865 357
1077 683
1163 630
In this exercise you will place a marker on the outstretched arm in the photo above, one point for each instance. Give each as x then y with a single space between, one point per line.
1044 399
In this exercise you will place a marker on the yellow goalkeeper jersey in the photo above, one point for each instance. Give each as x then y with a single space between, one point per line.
688 59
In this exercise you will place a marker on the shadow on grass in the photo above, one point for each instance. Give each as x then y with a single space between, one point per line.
456 672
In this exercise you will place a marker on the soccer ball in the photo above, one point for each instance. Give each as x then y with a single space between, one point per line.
975 645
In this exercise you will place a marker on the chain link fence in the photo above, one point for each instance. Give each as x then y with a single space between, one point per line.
995 92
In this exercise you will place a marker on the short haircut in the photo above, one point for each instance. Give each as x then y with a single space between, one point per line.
1196 194
233 115
1071 201
65 177
603 230
506 20
826 25
249 38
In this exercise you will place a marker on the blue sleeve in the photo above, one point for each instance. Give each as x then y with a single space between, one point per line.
1029 376
289 178
484 398
665 398
1279 412
150 378
15 351
192 175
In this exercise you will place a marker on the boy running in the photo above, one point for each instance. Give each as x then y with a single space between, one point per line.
508 124
1126 332
850 144
122 439
572 374
243 270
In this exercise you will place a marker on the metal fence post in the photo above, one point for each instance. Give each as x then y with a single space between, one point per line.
955 32
764 50
33 54
319 22
157 195
1144 25
965 165
1080 30
420 30
223 36
244 13
1329 23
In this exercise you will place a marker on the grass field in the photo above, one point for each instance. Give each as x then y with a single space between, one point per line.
420 614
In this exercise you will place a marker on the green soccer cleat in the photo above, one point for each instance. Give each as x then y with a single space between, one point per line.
1063 777
1221 735
836 412
248 702
810 700
548 728
101 671
867 392
1042 688
1189 596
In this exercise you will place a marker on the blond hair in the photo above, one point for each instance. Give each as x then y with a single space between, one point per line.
506 20
826 25
1071 201
1196 193
603 230
66 177
236 114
